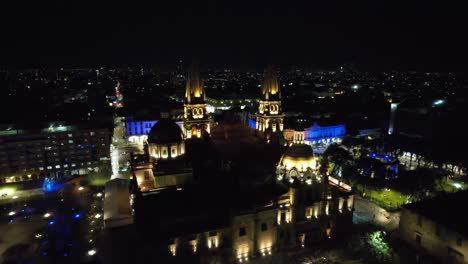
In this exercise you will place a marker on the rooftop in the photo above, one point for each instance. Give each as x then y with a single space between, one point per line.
446 209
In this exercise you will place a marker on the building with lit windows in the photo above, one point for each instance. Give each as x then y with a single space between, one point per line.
165 162
270 112
316 205
196 118
316 134
237 224
56 150
137 130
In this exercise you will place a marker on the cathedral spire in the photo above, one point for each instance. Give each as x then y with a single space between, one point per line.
270 112
194 91
196 118
270 87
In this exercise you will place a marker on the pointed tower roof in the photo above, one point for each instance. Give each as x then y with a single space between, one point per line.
270 89
194 91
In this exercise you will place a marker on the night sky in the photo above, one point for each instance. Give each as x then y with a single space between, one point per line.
371 34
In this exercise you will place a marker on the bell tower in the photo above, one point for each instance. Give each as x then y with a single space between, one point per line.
270 111
196 119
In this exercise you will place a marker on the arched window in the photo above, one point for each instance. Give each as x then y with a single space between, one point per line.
293 173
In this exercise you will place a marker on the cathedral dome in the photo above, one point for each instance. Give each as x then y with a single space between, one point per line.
165 131
298 162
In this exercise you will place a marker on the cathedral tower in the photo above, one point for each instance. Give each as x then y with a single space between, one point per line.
196 119
270 112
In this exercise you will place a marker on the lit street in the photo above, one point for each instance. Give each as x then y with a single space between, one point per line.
366 211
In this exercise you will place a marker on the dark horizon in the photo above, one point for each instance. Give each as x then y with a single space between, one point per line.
373 36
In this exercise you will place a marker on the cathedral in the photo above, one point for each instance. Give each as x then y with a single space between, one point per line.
196 120
270 113
298 206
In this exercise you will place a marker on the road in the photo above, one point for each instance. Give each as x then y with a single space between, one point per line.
412 165
366 211
22 195
120 150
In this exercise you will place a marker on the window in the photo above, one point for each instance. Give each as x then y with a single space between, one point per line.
283 216
242 231
418 239
459 241
264 227
419 220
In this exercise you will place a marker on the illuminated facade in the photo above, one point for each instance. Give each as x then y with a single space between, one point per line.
270 112
137 130
316 206
298 163
242 225
57 150
164 163
196 118
165 141
316 134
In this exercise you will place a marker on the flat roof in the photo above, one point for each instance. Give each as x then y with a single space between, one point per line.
446 209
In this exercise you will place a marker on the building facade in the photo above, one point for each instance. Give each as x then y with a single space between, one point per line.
307 209
270 111
165 162
196 118
316 134
437 227
57 150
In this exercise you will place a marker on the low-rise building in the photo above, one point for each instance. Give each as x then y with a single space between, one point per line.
438 227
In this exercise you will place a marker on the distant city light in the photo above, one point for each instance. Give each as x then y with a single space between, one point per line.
11 213
457 185
80 188
91 252
15 197
97 216
438 102
47 215
77 216
99 194
52 222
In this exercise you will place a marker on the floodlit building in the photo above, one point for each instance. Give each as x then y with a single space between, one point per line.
438 226
316 206
315 134
240 224
57 149
270 111
196 117
165 162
